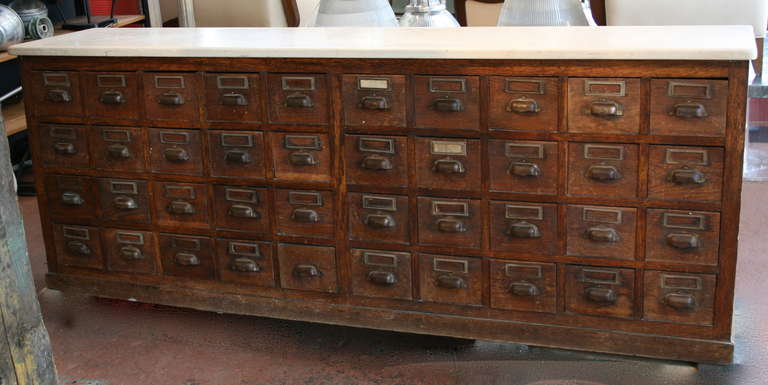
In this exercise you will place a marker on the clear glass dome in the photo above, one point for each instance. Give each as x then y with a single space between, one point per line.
355 13
542 13
427 13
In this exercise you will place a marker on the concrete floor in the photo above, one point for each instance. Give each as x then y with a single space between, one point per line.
99 342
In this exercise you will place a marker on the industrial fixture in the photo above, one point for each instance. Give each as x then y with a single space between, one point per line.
11 28
542 13
427 13
355 13
34 14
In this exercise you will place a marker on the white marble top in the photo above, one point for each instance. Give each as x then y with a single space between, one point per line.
641 43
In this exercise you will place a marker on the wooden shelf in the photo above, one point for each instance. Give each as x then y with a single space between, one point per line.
15 119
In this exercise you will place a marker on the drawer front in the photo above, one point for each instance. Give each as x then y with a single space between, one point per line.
181 204
452 164
64 146
130 251
447 102
599 169
231 97
523 167
305 213
381 274
450 222
187 256
241 208
690 237
304 267
171 96
600 291
523 286
302 157
685 173
56 94
71 197
680 298
376 160
119 148
524 227
124 200
176 151
298 99
601 231
112 95
374 101
237 154
78 246
604 106
453 280
523 104
374 217
688 107
245 262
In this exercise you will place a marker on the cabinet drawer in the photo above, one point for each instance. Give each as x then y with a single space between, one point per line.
452 164
181 204
453 280
302 157
56 94
599 169
680 298
376 160
71 197
130 251
298 99
523 104
232 97
245 262
685 173
381 218
176 151
111 95
690 237
119 148
124 200
600 291
523 286
187 256
450 222
241 208
601 232
524 227
237 154
523 167
604 106
64 146
382 274
78 246
447 102
305 213
374 101
304 267
688 107
171 96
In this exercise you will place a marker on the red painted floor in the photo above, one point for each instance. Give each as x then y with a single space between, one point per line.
100 342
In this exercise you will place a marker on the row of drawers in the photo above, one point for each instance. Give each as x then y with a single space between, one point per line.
607 105
593 169
590 231
523 286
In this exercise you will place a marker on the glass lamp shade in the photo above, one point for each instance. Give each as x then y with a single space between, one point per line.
355 13
542 13
427 13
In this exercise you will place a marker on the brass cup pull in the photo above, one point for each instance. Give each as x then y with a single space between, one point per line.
523 289
70 198
524 169
171 99
243 211
522 229
299 101
447 281
187 259
112 97
122 202
176 155
600 295
238 157
523 106
448 105
305 216
447 225
687 176
382 278
374 103
306 271
680 301
59 96
233 99
78 248
603 173
376 163
302 158
690 111
606 109
603 234
379 221
244 265
65 148
119 152
180 208
683 241
131 253
448 166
